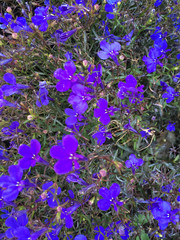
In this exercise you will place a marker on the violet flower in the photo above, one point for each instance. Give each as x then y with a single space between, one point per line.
4 102
42 95
109 51
130 90
66 214
48 194
41 17
20 25
171 127
109 197
9 90
74 117
4 61
134 163
4 22
129 127
30 155
13 183
101 135
152 61
66 77
170 94
66 155
12 129
94 78
103 111
62 36
79 97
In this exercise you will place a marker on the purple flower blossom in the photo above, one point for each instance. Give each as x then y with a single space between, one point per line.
109 50
170 94
48 194
101 135
152 61
161 46
128 37
9 90
62 36
103 111
66 214
20 25
161 211
145 133
130 90
30 155
4 61
171 127
4 22
73 118
158 3
42 95
79 97
80 237
109 197
41 17
94 78
66 77
74 177
100 233
66 154
129 127
4 102
13 183
163 85
12 129
134 163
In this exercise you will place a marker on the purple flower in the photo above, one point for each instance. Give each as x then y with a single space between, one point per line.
158 3
128 37
13 183
74 177
152 61
170 94
80 237
4 22
41 17
103 111
30 155
176 77
134 163
4 102
66 77
161 46
109 50
94 78
145 133
66 214
130 90
74 117
12 129
42 95
161 211
4 61
163 85
66 154
129 127
79 97
49 193
109 197
101 135
9 90
20 25
171 127
100 233
62 36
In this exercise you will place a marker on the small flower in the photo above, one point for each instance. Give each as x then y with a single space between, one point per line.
170 94
101 135
62 36
66 214
66 155
12 129
9 90
109 197
171 127
103 111
30 155
134 163
109 50
42 95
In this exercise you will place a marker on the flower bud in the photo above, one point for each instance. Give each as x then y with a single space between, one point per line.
59 209
9 9
96 7
15 35
44 195
85 63
103 172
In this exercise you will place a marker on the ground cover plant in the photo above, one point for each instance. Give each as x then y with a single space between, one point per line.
89 104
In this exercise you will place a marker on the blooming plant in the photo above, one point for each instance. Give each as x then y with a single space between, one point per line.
89 120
